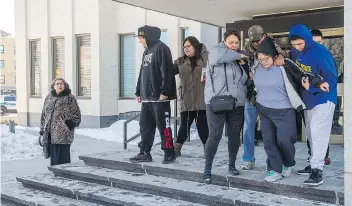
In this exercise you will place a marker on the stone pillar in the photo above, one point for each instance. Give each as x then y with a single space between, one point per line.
348 102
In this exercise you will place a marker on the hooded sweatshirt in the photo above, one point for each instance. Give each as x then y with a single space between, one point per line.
156 73
316 59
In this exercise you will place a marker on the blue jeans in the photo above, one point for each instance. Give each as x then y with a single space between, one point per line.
250 119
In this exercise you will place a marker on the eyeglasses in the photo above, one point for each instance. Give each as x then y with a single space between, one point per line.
187 46
262 60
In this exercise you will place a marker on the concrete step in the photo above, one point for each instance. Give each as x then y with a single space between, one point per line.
191 168
95 193
15 193
173 188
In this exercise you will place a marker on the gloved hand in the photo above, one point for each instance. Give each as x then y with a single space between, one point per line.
41 132
70 124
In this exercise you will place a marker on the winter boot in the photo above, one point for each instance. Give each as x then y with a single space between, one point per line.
169 156
177 147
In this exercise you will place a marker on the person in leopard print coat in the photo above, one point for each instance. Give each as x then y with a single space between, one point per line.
60 116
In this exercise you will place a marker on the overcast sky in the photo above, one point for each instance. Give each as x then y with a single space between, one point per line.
7 16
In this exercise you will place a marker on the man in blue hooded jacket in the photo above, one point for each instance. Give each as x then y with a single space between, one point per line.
317 59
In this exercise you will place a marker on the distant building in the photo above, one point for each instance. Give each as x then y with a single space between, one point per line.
7 60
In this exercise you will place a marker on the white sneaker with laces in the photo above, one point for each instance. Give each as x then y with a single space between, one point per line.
248 165
273 176
286 171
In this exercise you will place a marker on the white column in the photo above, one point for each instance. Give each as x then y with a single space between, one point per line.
70 48
348 102
46 53
22 70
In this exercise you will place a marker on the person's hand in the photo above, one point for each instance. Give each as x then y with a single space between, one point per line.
324 86
163 97
305 83
244 56
139 99
280 60
69 123
41 132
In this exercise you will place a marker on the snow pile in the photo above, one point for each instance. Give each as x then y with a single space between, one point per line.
115 132
20 145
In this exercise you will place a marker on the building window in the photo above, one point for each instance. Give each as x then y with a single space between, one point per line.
163 37
58 57
2 63
36 68
127 66
2 50
84 65
2 79
14 49
184 34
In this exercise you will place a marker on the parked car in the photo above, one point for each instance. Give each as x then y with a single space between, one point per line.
8 104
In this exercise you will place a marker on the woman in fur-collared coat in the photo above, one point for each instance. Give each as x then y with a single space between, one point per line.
60 116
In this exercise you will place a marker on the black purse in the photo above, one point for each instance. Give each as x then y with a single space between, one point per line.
221 103
45 146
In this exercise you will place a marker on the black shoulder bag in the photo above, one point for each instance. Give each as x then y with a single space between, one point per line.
222 103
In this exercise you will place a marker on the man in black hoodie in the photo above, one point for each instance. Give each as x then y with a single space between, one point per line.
156 87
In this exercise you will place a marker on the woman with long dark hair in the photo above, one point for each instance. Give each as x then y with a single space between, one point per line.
190 69
225 96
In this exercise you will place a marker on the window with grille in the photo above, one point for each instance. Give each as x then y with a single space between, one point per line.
2 50
127 66
58 57
84 65
2 63
36 68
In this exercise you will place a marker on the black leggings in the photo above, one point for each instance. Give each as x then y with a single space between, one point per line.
234 121
187 119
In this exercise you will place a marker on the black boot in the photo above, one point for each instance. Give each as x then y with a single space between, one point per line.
142 157
315 178
169 156
233 171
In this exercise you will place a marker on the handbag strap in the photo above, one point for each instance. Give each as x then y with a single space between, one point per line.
212 81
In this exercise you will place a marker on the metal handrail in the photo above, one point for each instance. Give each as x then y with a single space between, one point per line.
125 140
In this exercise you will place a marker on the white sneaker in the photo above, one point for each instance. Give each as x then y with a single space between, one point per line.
248 165
273 176
286 171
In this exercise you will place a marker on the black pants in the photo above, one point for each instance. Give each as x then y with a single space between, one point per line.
216 122
155 114
187 119
308 143
60 154
279 136
337 111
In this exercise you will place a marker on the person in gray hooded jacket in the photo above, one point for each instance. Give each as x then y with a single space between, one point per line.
224 56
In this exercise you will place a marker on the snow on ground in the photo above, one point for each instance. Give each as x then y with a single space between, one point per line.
24 145
20 145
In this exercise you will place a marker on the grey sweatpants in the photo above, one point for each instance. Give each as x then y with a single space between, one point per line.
318 131
216 122
279 136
